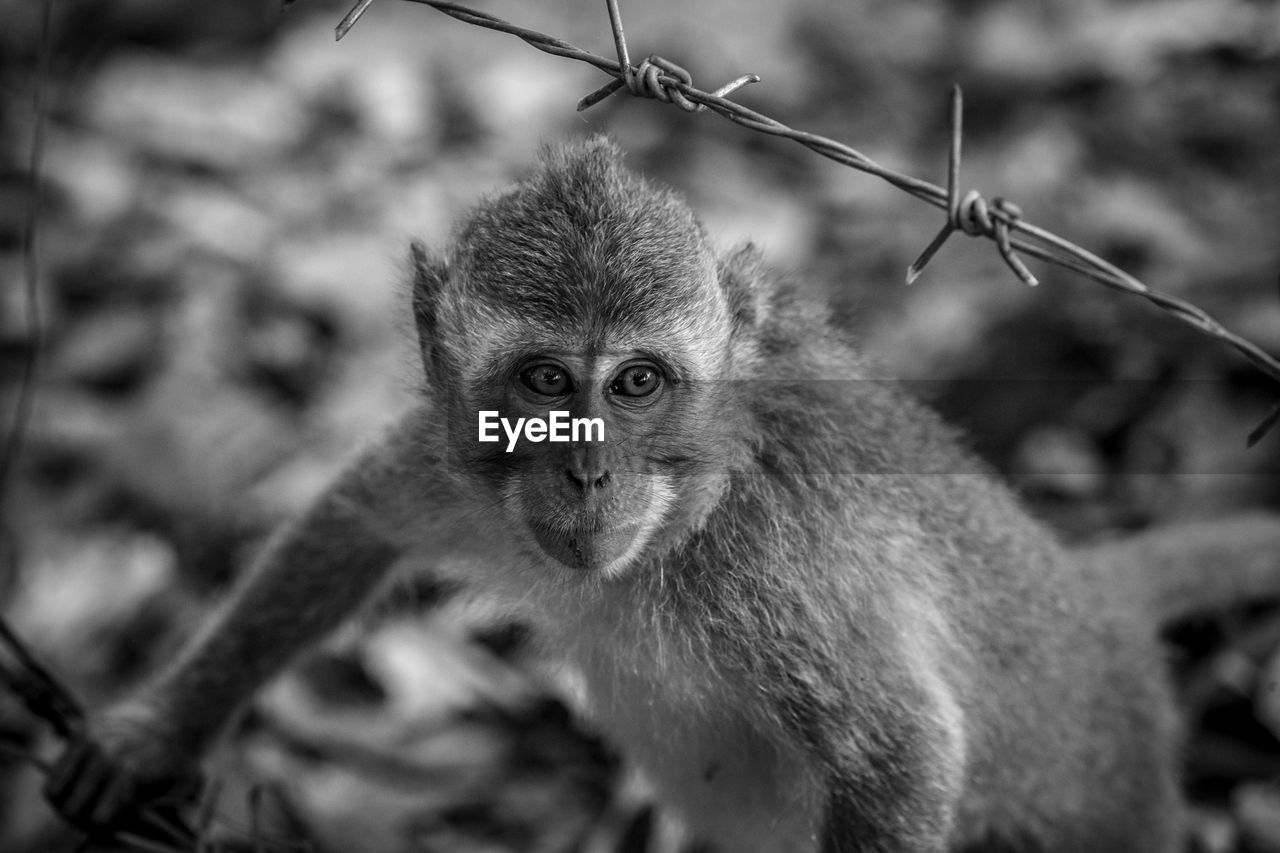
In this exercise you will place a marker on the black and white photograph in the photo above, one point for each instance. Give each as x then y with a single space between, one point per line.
631 426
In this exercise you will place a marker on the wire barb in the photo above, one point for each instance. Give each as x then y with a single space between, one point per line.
356 13
1008 229
1263 428
649 81
971 214
1005 244
620 45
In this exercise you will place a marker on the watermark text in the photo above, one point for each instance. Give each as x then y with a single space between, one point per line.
557 426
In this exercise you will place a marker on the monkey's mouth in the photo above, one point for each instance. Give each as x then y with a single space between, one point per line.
586 550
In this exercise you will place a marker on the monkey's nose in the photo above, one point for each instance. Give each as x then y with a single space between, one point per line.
587 470
585 481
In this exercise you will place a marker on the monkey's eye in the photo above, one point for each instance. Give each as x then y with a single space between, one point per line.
549 380
636 380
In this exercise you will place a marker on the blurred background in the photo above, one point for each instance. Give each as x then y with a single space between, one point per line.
228 198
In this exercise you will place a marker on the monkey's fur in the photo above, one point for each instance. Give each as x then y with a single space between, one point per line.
813 619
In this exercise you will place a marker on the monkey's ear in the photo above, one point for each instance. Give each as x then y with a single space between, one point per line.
429 277
746 286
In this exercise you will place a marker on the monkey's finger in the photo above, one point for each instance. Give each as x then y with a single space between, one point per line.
86 788
116 793
66 770
83 796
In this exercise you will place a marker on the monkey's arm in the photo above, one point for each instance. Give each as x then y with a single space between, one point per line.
888 793
885 740
312 575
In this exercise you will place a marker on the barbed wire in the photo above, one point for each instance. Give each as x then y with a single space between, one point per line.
186 817
157 825
46 698
1000 221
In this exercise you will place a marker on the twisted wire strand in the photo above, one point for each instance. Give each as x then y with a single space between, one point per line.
1001 222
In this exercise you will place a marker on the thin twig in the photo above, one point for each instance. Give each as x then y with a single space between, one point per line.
255 817
999 221
16 434
147 845
168 824
43 694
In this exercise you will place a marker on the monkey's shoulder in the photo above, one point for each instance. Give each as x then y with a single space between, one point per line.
861 465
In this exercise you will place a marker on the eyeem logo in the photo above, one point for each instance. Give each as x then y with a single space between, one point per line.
557 427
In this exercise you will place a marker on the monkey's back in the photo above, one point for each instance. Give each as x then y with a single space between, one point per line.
1069 731
1071 723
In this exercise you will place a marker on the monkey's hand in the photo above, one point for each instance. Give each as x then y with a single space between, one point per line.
125 772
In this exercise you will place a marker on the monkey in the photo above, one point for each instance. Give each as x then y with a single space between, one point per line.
797 603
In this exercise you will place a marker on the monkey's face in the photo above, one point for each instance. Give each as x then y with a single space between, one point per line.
601 433
594 454
584 311
590 500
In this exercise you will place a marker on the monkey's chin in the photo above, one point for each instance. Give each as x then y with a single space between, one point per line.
605 551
